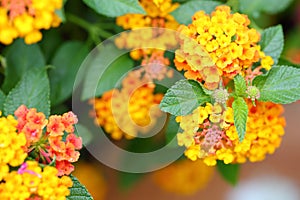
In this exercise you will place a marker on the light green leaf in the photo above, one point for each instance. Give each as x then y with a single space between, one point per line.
183 14
113 74
240 115
115 8
230 172
2 100
66 62
32 91
272 42
254 7
240 85
183 97
78 191
21 58
281 85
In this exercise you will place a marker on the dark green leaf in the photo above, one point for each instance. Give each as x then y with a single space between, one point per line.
98 63
2 100
230 172
50 42
78 191
272 42
128 180
240 85
183 97
240 115
66 62
183 14
32 91
281 85
113 74
115 8
172 130
21 58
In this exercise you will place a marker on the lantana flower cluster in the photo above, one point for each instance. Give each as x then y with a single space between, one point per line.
174 178
36 154
142 40
215 49
27 18
220 45
209 133
132 109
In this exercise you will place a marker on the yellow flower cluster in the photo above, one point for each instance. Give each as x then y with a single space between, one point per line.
33 182
183 177
218 45
25 19
157 15
206 140
12 145
142 41
128 111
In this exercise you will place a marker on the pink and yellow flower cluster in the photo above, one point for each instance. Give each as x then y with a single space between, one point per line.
36 153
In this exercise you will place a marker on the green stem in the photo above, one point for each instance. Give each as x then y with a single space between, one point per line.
94 31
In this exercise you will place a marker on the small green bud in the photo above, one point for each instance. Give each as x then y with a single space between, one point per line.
253 93
220 96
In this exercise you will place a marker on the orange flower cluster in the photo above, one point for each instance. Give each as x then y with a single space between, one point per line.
220 45
183 177
209 133
131 110
25 19
141 41
51 144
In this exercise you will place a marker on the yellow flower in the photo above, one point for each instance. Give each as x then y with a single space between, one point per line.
33 181
227 44
265 128
183 177
12 144
26 19
131 110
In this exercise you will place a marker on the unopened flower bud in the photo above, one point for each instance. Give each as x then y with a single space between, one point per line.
220 96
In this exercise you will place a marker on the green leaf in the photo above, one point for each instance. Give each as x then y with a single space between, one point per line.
272 41
128 180
183 97
172 130
32 91
255 7
113 74
21 58
281 85
230 172
240 115
183 14
78 191
115 8
96 64
66 62
240 85
2 100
